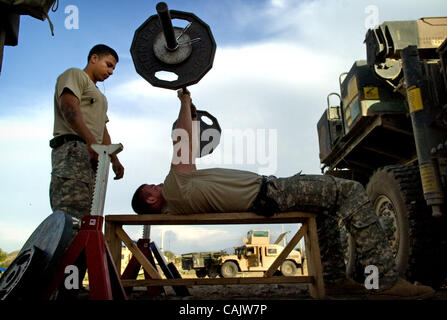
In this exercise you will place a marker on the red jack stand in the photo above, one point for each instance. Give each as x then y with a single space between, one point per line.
90 245
133 268
104 279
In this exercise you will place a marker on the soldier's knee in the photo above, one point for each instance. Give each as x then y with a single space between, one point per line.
70 196
354 187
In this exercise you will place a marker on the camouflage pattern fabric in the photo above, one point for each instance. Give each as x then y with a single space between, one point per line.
72 179
339 203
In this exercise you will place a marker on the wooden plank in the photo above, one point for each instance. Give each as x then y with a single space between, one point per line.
137 253
311 239
208 218
315 269
285 252
216 281
114 243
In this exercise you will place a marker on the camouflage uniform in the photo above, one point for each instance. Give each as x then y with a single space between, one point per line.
339 203
72 179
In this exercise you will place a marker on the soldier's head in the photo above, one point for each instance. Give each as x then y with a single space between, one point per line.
148 199
101 62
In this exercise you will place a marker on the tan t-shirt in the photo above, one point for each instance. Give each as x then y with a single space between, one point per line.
93 103
210 190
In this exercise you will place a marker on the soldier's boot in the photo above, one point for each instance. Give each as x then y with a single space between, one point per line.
403 290
344 287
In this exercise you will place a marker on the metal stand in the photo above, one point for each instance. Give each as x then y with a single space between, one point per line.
133 267
89 243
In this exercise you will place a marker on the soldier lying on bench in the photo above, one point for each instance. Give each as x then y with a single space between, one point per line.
338 202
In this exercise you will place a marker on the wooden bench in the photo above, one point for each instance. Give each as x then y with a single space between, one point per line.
115 235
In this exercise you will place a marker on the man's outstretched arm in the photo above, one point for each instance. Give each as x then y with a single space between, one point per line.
185 140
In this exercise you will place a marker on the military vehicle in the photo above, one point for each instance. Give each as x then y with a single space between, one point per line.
257 255
204 263
388 131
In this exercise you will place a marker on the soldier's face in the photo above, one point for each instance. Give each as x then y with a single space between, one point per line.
152 194
103 66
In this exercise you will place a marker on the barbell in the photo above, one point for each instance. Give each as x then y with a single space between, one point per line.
157 46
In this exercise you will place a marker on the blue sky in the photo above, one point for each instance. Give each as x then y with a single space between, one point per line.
275 63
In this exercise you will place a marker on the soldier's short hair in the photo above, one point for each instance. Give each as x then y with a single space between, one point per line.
102 50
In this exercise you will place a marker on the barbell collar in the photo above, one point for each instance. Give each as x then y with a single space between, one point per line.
166 25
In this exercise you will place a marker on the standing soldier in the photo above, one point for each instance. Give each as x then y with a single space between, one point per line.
80 117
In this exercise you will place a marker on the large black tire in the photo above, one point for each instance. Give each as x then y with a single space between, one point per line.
228 269
201 273
288 268
213 272
418 240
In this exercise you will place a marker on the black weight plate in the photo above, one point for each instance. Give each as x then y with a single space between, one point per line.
209 140
21 279
189 71
52 237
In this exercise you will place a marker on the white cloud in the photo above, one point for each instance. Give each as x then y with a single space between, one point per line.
12 234
189 238
278 3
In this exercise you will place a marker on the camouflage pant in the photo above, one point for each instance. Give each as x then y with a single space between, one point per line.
72 179
339 203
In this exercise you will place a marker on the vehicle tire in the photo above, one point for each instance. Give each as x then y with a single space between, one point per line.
213 272
229 269
201 273
288 268
417 239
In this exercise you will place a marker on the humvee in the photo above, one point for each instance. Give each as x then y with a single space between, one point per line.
258 254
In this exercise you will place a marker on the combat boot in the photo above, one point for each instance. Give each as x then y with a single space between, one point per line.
403 290
344 287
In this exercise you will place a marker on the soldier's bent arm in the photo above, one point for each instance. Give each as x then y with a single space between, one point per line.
69 106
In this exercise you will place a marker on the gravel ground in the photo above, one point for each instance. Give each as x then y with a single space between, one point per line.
250 292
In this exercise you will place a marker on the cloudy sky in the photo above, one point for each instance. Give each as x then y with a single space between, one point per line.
276 61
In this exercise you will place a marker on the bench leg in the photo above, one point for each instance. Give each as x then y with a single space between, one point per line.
314 266
114 243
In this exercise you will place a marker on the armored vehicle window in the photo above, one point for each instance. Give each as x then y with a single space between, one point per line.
261 234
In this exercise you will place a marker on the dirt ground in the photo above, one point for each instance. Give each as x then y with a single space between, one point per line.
250 291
